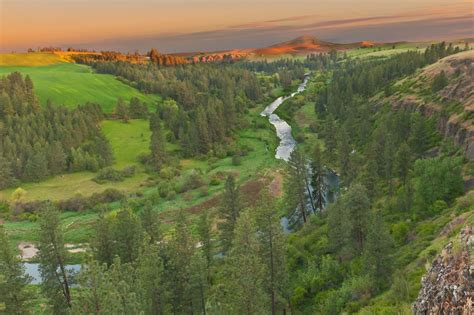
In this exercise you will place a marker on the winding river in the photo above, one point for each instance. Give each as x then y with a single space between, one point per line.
283 129
288 143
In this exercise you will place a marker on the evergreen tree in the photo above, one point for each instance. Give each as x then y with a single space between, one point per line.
150 222
13 281
128 235
439 81
36 168
229 211
318 180
6 175
377 253
273 250
121 110
52 260
296 188
246 271
157 144
102 240
205 237
181 250
150 279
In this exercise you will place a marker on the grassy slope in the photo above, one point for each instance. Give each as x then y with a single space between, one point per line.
72 84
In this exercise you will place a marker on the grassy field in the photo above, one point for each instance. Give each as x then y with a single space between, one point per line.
30 59
71 84
127 141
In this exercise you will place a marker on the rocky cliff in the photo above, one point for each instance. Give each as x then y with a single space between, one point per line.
448 286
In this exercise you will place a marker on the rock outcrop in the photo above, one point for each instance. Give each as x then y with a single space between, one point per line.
448 287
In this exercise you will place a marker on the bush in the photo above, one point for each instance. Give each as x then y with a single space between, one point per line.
236 160
439 81
400 232
192 181
164 188
129 171
108 174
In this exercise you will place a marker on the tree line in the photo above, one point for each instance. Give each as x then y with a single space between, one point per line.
39 142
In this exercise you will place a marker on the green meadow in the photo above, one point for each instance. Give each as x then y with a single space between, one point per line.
72 84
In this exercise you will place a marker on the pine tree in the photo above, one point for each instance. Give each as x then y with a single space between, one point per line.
6 174
56 158
52 260
102 240
439 81
150 279
180 253
344 151
121 110
318 180
246 271
150 222
13 281
205 237
377 252
229 211
272 249
36 168
157 144
296 188
128 235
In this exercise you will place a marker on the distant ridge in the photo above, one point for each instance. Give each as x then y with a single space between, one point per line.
306 44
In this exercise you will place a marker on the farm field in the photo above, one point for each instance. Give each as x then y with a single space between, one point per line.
72 84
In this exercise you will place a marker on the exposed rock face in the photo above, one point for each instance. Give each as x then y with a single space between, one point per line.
448 287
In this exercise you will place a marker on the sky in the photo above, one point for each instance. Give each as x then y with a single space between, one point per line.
203 25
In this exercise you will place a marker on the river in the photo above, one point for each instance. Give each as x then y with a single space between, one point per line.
283 129
288 143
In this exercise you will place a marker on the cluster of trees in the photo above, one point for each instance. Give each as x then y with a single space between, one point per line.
165 60
134 269
153 55
133 110
203 103
38 142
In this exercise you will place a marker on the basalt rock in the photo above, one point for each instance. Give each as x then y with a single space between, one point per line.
448 286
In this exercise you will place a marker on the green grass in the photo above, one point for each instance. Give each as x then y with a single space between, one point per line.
68 185
128 140
72 84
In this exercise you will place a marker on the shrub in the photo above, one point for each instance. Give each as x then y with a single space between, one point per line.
108 174
400 232
129 171
192 181
236 160
439 81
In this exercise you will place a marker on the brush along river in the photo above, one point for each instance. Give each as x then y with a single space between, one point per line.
283 152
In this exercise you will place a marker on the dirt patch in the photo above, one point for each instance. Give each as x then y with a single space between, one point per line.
27 250
276 185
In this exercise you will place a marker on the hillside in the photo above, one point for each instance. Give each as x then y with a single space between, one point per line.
452 103
72 84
